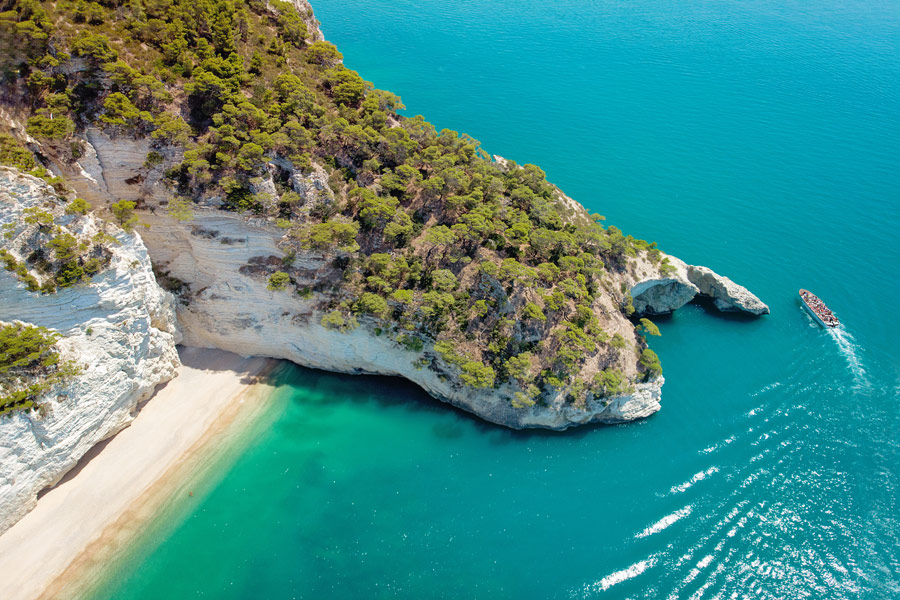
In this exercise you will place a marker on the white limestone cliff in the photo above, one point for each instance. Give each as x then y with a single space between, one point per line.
230 308
120 328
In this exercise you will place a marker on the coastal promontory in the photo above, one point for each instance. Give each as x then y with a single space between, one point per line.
296 212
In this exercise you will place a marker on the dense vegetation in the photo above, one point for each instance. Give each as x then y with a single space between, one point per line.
29 365
426 236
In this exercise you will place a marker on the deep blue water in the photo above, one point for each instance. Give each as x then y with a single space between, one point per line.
759 138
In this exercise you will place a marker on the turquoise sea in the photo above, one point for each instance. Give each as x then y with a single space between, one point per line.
758 137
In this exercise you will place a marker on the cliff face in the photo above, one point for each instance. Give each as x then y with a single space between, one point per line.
229 307
119 328
382 240
219 261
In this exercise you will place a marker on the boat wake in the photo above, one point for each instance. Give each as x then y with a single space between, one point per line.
665 522
850 350
616 578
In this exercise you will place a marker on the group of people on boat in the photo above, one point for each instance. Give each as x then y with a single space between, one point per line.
818 307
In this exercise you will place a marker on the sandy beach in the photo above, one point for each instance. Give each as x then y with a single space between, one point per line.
116 488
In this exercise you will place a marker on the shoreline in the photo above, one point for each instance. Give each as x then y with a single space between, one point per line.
63 547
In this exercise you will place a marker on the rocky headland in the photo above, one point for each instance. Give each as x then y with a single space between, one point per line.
243 190
219 262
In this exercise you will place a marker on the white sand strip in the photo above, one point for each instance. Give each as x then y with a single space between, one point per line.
78 516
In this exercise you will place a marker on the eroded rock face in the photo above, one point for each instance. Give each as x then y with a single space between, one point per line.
662 294
229 306
727 295
115 167
120 328
655 293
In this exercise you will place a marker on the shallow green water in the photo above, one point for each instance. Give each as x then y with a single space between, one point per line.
758 138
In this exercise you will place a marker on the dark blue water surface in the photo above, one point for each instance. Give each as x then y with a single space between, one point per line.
759 138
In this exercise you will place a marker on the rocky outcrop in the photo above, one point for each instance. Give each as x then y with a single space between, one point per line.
312 24
120 328
655 292
662 290
231 308
726 294
114 168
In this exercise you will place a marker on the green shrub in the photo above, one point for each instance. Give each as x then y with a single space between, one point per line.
78 206
26 347
123 211
480 308
92 266
153 159
447 351
525 398
95 47
14 155
444 280
520 367
628 305
476 374
171 130
649 327
29 365
533 311
240 199
50 128
324 54
65 246
331 235
278 281
403 296
610 382
69 274
413 343
333 320
119 110
650 361
37 216
372 304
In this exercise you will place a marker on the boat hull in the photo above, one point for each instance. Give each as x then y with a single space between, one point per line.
816 317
